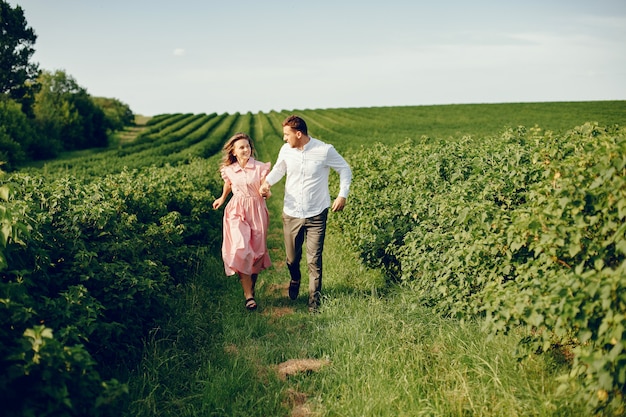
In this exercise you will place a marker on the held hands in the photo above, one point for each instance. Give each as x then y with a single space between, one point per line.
338 204
264 190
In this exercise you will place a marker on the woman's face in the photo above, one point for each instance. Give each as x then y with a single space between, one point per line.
242 149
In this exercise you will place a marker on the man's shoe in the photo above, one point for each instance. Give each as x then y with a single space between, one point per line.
294 289
314 302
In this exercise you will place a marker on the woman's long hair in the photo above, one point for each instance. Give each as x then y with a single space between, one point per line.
229 156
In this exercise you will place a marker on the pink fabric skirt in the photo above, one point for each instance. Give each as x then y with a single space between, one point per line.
244 245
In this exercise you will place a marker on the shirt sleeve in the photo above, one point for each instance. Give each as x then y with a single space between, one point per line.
336 162
279 170
224 175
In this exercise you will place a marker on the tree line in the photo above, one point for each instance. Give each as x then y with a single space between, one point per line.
44 113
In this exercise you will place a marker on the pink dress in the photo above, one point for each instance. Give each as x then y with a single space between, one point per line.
246 220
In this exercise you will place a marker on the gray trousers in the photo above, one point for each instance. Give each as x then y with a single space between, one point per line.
311 230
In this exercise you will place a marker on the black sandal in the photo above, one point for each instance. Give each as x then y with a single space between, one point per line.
251 304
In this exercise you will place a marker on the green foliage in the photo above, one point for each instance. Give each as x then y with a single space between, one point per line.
572 287
386 355
65 117
17 74
71 386
92 276
10 151
349 129
117 115
18 138
526 228
67 114
159 145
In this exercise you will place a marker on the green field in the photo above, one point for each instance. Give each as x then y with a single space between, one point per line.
347 129
478 269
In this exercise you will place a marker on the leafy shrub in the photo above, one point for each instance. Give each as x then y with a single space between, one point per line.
526 229
18 138
89 267
572 288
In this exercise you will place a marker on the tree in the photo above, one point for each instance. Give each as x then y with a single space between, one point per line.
10 151
19 140
118 115
66 113
17 73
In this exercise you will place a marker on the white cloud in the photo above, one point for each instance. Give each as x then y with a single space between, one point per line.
179 52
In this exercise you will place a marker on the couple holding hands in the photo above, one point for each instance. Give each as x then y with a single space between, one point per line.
306 162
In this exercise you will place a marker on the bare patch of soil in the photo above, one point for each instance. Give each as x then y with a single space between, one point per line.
297 402
278 312
295 366
282 289
231 349
302 411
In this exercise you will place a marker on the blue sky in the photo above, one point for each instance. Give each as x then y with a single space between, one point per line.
229 56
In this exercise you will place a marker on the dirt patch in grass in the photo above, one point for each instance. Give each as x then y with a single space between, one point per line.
280 289
297 402
296 366
302 411
278 312
231 349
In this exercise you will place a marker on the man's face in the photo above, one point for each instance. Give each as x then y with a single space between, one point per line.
291 136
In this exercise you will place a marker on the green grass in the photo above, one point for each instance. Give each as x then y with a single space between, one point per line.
349 129
384 354
388 356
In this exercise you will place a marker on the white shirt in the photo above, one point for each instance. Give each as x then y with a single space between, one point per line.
306 186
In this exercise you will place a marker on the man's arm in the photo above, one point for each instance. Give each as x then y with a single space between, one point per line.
275 175
339 164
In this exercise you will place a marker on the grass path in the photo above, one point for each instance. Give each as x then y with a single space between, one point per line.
370 351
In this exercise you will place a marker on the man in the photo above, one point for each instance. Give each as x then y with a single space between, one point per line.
307 162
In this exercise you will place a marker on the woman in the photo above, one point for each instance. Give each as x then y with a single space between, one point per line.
246 219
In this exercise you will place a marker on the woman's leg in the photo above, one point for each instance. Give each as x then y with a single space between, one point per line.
254 279
248 290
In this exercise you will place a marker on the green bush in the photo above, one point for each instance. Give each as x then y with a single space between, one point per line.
526 229
87 269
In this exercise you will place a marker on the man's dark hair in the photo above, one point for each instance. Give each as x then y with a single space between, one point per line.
296 123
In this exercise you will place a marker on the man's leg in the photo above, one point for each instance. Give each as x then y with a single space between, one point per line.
315 234
293 231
